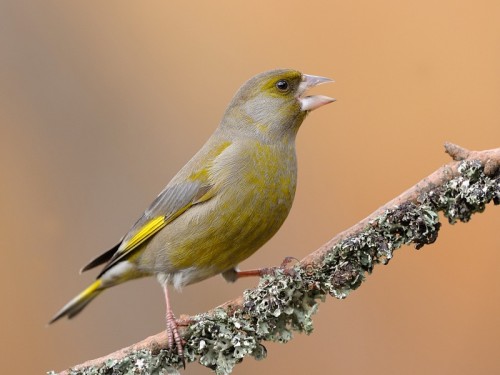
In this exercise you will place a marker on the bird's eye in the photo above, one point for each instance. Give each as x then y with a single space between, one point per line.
282 85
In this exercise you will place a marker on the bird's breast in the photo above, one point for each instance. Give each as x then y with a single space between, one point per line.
257 187
258 178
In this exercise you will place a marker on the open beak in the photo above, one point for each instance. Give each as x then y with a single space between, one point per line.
310 103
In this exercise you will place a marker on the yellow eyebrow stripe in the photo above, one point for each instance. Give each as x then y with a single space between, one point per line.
150 228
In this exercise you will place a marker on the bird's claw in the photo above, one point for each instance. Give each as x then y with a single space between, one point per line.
286 266
184 321
286 262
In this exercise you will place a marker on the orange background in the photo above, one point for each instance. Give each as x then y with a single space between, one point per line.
102 102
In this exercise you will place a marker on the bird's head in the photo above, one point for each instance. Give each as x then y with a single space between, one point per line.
274 102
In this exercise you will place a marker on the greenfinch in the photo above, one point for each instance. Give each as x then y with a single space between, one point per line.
224 204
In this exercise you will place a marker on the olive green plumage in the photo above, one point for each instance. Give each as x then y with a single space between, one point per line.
227 201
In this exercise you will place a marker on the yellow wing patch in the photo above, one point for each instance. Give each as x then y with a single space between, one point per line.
155 225
149 229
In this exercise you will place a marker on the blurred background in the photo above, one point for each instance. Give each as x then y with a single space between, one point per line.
102 102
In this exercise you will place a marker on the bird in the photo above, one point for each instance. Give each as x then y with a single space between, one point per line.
224 204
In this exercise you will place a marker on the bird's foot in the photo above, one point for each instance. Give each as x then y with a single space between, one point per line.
184 321
286 262
174 339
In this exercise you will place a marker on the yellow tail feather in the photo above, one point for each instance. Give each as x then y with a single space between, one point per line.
77 304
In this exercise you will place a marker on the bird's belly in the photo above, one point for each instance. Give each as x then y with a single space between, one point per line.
229 236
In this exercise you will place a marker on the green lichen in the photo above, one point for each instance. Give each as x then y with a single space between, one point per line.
286 299
138 362
281 304
346 265
466 194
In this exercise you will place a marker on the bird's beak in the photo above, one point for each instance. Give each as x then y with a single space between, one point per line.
309 103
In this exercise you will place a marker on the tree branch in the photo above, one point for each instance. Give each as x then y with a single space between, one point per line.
285 300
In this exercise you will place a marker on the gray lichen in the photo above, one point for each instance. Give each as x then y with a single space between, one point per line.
138 362
466 194
285 300
346 265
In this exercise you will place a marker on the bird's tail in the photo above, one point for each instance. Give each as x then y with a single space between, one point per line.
77 304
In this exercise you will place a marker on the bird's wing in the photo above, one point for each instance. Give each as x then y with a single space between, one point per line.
183 192
170 204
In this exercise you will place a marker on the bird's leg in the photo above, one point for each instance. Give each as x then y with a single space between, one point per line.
255 272
174 338
234 274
